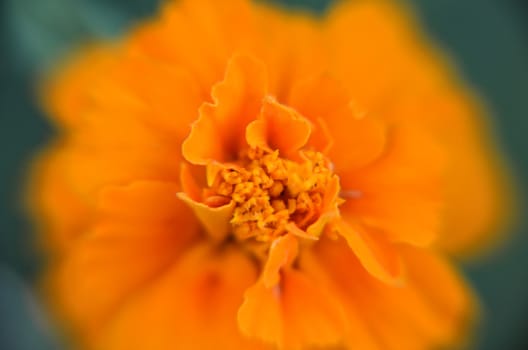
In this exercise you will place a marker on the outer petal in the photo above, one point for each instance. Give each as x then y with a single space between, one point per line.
118 134
298 47
358 333
141 229
225 26
379 258
192 307
419 86
59 212
417 315
114 147
68 94
381 51
129 125
218 29
295 314
401 192
170 94
479 193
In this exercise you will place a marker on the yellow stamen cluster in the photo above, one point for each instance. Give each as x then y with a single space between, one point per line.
269 192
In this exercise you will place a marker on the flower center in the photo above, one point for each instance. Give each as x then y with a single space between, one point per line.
271 192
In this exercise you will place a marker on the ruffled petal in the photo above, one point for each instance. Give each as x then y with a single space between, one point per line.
279 128
219 132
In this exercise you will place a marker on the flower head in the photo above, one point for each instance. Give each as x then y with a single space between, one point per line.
234 176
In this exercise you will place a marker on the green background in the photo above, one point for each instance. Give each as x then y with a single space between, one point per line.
487 38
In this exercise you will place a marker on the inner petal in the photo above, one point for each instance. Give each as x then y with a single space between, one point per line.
219 131
267 132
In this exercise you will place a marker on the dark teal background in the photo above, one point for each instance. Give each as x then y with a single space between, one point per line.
487 38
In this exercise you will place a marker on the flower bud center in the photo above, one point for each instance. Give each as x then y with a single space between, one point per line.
269 192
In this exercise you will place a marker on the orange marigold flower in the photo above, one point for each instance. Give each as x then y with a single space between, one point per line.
233 176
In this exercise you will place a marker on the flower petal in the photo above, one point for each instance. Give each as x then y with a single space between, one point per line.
113 146
282 127
170 94
421 86
328 105
283 252
377 256
450 309
329 209
219 132
294 314
216 30
358 333
257 134
375 29
132 242
215 220
193 306
458 121
401 192
429 309
58 208
295 55
189 185
260 315
68 95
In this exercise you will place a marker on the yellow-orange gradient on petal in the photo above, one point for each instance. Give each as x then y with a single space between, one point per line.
237 176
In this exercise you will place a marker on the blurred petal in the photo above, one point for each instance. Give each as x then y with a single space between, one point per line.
194 305
375 253
294 314
430 308
68 94
401 192
132 243
337 124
